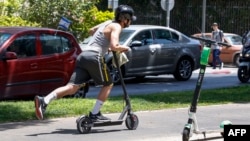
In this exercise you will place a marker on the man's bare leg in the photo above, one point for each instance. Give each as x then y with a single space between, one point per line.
101 98
41 103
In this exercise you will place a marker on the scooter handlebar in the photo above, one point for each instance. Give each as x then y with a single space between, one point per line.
209 41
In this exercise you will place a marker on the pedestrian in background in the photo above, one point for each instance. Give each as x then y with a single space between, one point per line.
218 36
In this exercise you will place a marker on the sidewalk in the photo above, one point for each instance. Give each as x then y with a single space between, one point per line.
160 125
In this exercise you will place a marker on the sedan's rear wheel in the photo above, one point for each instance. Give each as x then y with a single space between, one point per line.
114 73
183 70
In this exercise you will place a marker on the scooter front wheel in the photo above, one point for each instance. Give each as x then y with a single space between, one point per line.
132 122
243 74
84 125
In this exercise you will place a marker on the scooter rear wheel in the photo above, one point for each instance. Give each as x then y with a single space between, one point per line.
243 75
132 122
84 125
185 134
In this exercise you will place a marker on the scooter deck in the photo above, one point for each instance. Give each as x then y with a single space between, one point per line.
107 123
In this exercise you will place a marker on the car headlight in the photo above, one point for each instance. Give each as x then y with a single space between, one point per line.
247 54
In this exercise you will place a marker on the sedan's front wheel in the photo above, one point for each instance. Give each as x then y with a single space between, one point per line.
183 70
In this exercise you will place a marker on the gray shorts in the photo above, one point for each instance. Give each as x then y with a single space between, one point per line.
90 64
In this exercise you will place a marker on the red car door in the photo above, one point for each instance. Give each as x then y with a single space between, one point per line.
57 60
20 77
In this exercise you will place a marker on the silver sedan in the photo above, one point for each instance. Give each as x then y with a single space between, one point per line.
156 50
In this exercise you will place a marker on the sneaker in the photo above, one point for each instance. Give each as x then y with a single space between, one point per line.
97 117
40 107
221 65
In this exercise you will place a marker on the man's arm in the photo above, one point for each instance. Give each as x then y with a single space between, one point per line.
114 39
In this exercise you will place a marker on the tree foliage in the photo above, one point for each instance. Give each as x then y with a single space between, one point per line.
9 7
186 15
9 15
92 17
83 14
15 21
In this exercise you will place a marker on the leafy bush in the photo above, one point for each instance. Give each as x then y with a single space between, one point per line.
91 18
15 21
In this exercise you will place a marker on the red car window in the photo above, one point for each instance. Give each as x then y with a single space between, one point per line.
24 46
54 44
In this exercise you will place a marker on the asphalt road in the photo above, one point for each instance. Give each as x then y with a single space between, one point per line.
226 77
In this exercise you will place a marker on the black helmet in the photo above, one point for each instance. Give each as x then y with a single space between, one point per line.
122 10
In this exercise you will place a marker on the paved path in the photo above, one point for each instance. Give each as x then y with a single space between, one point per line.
161 125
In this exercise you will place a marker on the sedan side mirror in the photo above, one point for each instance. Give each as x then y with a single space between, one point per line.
136 43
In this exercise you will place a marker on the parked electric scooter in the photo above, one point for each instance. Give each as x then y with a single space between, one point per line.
192 124
244 66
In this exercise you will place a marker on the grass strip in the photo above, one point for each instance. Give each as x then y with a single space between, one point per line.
12 111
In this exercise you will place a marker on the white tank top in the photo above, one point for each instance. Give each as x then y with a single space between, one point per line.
99 42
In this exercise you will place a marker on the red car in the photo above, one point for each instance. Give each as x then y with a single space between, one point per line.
34 61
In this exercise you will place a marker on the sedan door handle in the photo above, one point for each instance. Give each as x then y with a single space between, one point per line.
152 51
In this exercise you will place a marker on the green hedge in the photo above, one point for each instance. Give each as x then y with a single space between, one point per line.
15 21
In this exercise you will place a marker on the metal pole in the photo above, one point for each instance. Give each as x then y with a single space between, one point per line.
203 18
113 5
167 13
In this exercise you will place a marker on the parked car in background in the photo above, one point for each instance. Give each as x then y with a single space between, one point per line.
85 42
34 61
229 55
156 50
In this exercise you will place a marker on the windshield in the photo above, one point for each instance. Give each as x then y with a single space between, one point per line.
234 39
4 37
125 35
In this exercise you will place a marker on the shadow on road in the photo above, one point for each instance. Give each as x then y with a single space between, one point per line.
75 132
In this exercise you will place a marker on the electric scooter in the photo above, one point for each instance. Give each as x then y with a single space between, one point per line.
84 123
244 66
192 125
